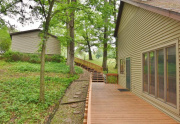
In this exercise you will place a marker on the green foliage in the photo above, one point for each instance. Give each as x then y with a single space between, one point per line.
32 58
110 62
111 53
49 67
5 40
55 58
99 53
19 95
112 79
12 56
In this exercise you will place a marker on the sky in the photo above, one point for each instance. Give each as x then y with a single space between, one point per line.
26 26
23 27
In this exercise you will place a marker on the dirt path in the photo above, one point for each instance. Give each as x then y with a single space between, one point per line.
73 113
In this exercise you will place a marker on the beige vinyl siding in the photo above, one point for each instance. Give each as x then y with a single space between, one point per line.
26 43
29 43
53 46
141 30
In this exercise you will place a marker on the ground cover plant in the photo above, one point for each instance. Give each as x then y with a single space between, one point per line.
11 56
19 90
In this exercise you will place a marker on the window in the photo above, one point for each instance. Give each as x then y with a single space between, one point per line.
145 72
159 74
171 74
152 73
121 66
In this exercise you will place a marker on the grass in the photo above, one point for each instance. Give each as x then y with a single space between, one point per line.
110 63
49 67
19 90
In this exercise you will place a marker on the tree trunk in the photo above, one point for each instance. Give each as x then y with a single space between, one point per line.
68 54
45 36
68 44
42 71
104 65
68 35
89 47
71 27
105 54
89 50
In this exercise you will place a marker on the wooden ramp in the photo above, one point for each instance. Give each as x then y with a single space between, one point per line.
110 106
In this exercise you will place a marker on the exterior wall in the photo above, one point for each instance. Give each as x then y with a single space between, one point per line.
142 31
28 43
53 46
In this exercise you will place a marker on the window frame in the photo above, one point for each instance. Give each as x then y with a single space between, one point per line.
164 103
122 67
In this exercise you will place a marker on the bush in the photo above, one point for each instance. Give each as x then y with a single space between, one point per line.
32 58
58 58
12 56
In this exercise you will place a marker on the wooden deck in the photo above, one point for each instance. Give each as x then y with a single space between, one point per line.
110 106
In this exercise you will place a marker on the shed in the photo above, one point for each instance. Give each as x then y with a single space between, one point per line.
148 33
28 42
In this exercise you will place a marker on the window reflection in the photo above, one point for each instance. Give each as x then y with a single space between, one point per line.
171 74
160 74
145 73
152 73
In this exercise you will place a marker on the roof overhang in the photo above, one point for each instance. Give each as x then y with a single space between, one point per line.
119 17
161 11
28 31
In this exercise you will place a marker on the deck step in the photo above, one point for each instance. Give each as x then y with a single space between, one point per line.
97 81
96 76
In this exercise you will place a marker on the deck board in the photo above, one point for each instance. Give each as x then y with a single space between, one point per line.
110 106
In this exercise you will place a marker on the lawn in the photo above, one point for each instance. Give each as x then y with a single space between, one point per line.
110 63
19 90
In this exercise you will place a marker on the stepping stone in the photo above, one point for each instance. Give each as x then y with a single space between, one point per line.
75 96
70 100
78 93
76 112
68 120
74 106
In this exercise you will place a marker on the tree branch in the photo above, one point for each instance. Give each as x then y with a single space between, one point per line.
43 9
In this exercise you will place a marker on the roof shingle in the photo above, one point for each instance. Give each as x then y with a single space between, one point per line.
171 5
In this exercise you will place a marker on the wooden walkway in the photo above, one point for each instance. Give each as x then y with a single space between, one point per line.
110 106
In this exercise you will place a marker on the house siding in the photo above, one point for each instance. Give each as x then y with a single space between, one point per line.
140 31
29 43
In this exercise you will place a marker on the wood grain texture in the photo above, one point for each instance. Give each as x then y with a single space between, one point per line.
110 106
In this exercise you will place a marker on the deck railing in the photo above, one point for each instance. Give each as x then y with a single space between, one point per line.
90 65
112 78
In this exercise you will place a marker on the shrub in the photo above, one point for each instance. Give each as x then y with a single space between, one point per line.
58 58
12 56
32 58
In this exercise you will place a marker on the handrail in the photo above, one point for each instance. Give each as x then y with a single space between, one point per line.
88 64
111 78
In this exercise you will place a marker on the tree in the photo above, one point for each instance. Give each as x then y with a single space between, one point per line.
104 64
116 42
71 29
86 33
5 40
47 15
44 10
105 25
